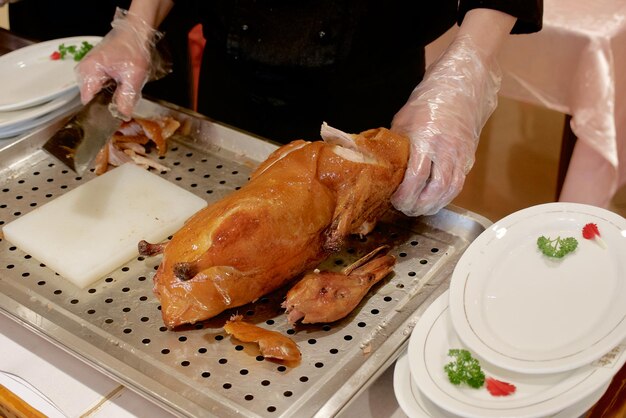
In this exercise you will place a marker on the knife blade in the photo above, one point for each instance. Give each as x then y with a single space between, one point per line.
78 142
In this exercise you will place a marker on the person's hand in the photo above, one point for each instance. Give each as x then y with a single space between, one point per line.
127 54
443 119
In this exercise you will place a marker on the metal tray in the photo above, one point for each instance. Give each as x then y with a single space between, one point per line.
115 325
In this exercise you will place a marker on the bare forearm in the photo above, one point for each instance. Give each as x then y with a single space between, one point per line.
488 29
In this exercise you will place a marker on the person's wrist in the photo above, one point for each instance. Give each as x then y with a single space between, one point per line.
138 29
488 29
140 25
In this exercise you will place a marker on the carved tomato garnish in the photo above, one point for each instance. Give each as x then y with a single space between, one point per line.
499 388
591 231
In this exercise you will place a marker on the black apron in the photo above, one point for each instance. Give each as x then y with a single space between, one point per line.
279 68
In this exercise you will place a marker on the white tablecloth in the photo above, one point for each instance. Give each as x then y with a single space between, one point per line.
575 65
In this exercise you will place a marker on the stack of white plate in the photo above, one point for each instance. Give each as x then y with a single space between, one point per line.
35 89
554 328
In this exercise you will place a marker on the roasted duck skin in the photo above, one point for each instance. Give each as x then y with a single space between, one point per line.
297 208
326 296
271 343
128 144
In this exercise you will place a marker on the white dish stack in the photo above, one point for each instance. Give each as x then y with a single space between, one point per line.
555 328
16 122
34 88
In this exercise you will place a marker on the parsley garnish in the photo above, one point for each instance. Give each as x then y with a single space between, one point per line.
464 368
558 247
77 53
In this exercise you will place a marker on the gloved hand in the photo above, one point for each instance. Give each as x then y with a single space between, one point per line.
443 118
127 54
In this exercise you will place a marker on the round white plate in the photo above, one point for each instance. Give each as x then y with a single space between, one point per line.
524 311
30 395
415 405
409 397
33 123
29 77
14 118
536 395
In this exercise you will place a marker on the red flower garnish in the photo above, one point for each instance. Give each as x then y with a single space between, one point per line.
499 388
56 55
590 231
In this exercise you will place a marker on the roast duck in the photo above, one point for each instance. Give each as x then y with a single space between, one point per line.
297 209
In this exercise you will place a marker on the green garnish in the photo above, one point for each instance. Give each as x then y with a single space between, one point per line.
464 368
558 247
77 53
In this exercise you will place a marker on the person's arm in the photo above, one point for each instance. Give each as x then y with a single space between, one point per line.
487 28
126 55
446 112
153 12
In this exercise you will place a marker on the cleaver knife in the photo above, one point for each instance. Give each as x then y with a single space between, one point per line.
78 142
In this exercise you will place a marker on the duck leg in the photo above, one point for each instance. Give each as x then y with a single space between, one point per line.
148 250
329 296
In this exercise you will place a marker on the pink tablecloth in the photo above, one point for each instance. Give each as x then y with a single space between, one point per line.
576 65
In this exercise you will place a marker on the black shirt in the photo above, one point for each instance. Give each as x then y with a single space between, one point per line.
279 68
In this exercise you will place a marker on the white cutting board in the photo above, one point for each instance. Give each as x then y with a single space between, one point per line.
90 231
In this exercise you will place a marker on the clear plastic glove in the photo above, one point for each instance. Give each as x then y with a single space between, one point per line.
443 118
128 55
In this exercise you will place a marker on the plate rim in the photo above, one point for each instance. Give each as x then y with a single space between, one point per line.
16 54
468 336
38 111
409 404
36 122
595 377
403 389
30 395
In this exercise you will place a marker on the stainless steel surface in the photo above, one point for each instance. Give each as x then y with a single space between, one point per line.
115 325
78 142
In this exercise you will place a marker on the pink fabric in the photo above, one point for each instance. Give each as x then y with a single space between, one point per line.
577 65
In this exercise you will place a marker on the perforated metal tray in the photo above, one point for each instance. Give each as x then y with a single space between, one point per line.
115 325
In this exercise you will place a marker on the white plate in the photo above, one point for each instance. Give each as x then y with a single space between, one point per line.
414 404
530 313
29 77
14 118
409 397
536 395
33 123
31 395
